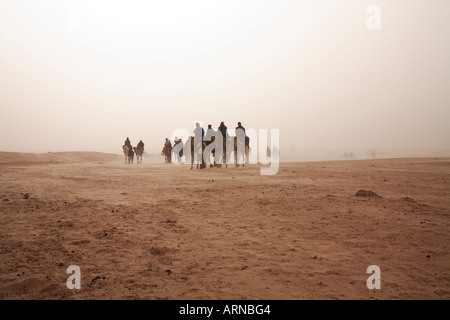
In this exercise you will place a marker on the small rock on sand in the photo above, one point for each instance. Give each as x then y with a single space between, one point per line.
365 193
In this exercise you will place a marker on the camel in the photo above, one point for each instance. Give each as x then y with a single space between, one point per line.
232 145
193 152
247 150
213 151
139 152
167 153
222 154
178 154
128 153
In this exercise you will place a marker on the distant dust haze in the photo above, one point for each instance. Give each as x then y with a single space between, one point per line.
84 75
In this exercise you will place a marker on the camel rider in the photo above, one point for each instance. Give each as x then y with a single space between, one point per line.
240 127
168 143
240 132
127 142
209 133
223 129
198 131
141 145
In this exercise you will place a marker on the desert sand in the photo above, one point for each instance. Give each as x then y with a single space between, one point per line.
157 231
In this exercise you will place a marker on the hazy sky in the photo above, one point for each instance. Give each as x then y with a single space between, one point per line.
85 74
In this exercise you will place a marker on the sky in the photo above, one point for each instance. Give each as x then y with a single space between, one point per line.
84 75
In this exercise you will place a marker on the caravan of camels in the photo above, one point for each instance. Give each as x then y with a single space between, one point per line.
199 148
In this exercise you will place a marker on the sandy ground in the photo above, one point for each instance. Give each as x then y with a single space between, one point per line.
155 231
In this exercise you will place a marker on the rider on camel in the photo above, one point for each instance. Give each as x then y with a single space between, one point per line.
223 129
127 142
141 145
199 131
209 133
240 127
